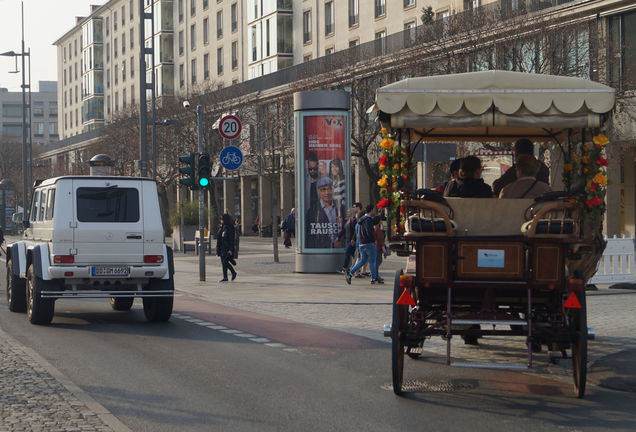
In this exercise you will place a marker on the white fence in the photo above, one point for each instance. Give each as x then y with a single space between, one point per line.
617 263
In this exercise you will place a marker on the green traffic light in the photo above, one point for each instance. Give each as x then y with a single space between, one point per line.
203 182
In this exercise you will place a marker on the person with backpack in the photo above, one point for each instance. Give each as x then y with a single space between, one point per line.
289 227
366 238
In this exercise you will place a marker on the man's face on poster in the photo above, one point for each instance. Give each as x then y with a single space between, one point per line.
326 194
312 168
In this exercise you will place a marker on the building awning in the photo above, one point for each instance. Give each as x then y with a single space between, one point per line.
500 105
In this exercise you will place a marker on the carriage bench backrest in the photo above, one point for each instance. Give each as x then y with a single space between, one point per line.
488 216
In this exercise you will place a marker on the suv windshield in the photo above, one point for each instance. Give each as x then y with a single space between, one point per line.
111 204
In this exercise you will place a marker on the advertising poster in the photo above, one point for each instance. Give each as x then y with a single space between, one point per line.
325 174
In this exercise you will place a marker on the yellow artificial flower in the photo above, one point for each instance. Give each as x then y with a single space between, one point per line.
601 179
600 140
383 182
387 143
383 131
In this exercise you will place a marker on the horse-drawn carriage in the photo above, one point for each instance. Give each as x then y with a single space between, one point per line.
488 266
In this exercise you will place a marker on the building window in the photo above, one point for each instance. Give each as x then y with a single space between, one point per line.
219 61
64 76
115 44
306 26
116 74
132 67
75 47
180 10
622 54
53 128
329 50
193 7
219 24
76 94
329 18
123 43
70 95
123 15
132 38
116 101
181 42
123 98
115 21
70 52
409 3
307 58
107 78
206 29
123 70
107 51
52 109
193 41
380 8
181 76
107 26
205 4
380 43
206 66
75 67
38 129
234 16
354 12
131 9
234 55
132 95
409 33
193 70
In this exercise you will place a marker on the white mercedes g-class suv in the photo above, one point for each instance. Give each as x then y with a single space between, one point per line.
91 237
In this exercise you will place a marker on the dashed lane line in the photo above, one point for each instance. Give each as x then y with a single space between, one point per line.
235 332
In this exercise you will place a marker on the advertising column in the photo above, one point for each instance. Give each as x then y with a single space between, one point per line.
322 178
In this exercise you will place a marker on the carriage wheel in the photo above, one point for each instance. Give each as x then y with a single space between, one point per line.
398 327
579 347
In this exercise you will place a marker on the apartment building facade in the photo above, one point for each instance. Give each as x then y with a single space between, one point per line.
44 114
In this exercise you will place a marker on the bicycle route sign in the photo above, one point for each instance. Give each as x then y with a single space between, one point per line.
230 127
231 158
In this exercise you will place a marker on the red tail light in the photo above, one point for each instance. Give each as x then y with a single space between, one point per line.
406 281
63 259
575 285
153 259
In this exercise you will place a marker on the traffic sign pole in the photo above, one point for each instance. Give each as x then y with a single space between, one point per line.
202 238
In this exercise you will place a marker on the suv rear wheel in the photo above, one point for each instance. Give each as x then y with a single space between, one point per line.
121 303
16 290
159 309
39 310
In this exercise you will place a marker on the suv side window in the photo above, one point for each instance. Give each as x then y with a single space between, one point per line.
43 195
107 204
50 206
35 206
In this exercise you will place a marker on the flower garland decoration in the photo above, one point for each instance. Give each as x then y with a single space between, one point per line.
395 167
590 168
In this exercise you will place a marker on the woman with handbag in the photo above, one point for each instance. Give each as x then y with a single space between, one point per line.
225 246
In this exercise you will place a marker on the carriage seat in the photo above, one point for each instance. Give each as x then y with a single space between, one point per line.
427 225
551 226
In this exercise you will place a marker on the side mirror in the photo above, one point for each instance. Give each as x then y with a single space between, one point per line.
16 217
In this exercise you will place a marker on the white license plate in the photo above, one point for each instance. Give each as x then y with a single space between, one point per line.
110 271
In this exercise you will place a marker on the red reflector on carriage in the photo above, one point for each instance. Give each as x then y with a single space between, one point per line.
406 299
572 302
575 285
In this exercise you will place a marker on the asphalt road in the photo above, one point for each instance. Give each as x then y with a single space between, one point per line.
214 367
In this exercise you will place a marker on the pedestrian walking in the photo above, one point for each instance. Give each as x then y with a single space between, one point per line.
289 228
366 238
380 247
225 246
348 237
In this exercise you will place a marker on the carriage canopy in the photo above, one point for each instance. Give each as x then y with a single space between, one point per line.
493 105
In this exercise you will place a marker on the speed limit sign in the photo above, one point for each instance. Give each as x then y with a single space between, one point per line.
230 127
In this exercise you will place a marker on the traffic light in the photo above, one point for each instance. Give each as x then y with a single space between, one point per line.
204 171
189 170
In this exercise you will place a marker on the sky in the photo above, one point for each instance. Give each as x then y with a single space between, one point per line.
45 21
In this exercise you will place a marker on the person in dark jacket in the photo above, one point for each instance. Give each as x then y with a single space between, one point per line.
225 246
470 184
522 147
289 227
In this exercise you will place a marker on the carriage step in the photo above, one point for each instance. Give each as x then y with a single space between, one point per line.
509 366
489 322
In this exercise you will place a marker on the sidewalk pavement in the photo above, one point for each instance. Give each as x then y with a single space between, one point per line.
35 396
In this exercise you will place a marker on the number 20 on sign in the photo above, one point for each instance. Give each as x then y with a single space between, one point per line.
230 127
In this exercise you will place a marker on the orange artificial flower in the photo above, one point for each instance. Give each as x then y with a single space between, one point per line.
568 167
601 179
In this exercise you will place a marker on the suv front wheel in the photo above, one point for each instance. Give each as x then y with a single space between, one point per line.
16 290
39 310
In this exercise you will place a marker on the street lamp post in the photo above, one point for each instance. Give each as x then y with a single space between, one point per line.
25 172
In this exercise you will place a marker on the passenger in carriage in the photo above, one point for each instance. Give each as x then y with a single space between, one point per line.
470 184
527 185
451 185
522 147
